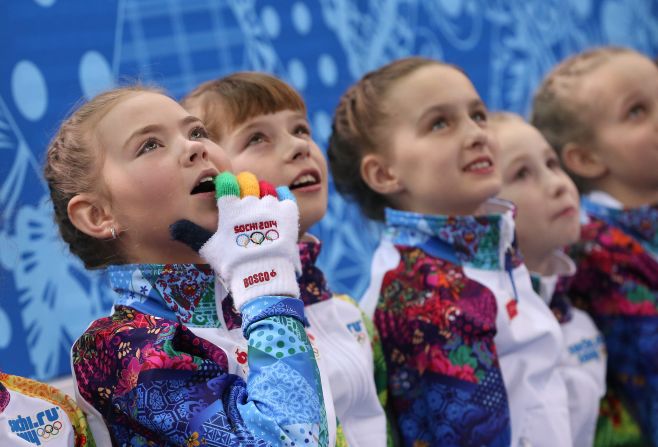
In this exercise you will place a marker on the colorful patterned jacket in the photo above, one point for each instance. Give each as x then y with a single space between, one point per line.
34 413
617 284
153 381
583 362
455 308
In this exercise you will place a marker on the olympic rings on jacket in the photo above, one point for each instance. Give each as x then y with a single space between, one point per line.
49 430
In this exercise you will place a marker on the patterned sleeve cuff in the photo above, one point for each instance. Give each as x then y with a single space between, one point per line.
271 306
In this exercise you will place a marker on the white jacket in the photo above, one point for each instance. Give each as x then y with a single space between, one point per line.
583 362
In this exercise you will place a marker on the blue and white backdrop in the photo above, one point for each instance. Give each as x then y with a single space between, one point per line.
54 52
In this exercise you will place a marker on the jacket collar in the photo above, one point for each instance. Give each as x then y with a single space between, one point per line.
312 283
484 241
186 292
641 222
561 268
183 292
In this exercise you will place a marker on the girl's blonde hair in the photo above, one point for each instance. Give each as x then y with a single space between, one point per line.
556 111
73 164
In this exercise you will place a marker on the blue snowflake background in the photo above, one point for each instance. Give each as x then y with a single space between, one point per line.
55 52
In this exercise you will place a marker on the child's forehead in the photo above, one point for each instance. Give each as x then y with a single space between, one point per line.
434 80
605 87
430 88
139 112
518 139
256 114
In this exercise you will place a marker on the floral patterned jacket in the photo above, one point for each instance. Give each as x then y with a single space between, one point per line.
617 284
437 328
152 381
471 350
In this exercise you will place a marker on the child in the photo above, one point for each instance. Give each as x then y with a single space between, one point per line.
159 371
547 220
261 123
599 110
455 305
34 413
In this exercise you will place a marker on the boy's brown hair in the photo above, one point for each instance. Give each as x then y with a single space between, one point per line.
556 112
359 128
230 101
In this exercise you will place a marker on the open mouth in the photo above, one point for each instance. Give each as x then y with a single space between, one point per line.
206 184
305 180
481 164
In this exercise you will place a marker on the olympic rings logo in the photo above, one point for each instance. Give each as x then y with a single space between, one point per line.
49 430
256 237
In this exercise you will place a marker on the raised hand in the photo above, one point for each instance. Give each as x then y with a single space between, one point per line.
254 251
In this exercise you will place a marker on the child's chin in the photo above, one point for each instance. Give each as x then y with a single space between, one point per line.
494 188
568 238
310 215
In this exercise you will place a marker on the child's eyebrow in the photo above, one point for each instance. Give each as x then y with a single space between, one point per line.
260 120
475 103
252 124
549 151
519 158
437 109
450 108
631 97
158 127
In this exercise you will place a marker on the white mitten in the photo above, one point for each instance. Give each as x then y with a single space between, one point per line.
254 251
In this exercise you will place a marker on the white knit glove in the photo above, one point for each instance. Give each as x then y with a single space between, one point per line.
254 251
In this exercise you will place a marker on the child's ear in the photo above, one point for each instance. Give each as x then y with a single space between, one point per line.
583 161
91 216
378 176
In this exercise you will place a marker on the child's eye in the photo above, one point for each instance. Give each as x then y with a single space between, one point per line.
479 117
256 138
439 123
553 163
198 133
148 146
302 130
522 173
637 111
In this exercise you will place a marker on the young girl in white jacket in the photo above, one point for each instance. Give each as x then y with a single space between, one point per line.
547 221
452 300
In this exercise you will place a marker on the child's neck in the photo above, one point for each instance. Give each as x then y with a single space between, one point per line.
539 263
629 197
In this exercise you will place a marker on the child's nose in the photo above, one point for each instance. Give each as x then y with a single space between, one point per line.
556 185
299 149
476 136
193 152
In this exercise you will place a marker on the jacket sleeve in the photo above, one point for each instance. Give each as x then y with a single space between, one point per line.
32 413
381 379
617 283
171 387
437 331
583 367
